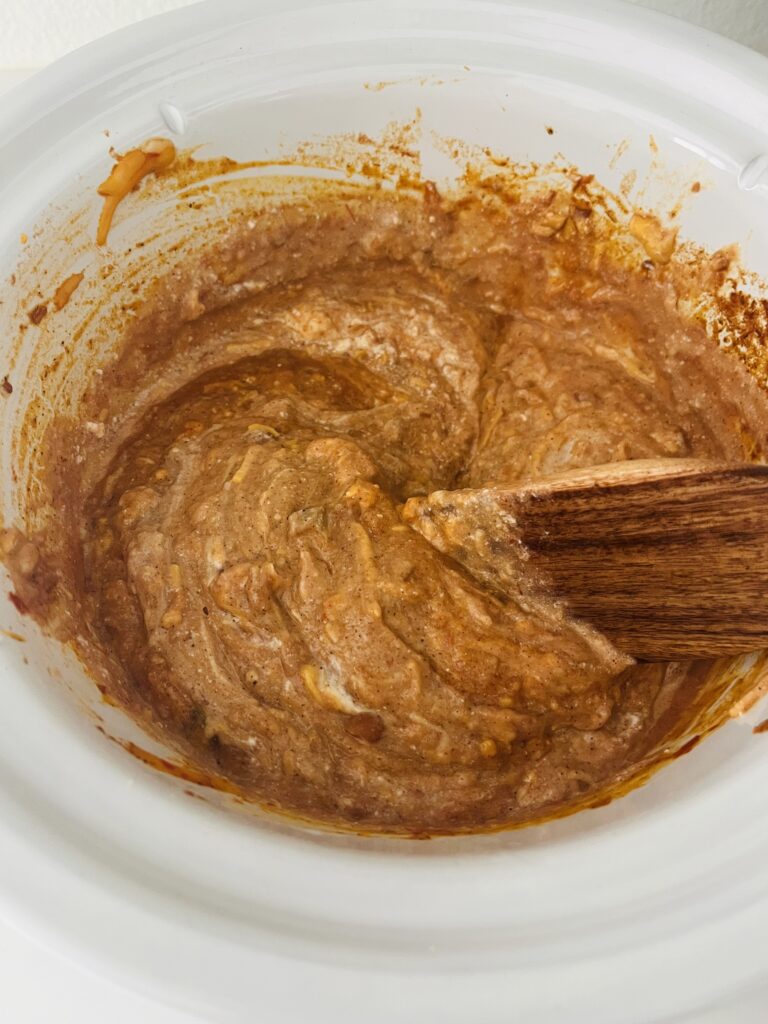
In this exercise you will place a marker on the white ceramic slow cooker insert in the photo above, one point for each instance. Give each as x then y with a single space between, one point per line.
636 912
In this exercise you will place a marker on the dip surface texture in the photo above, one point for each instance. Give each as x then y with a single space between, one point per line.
241 566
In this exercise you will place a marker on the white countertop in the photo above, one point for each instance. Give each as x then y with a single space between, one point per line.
37 986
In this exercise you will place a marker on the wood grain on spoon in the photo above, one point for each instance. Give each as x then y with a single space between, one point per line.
668 558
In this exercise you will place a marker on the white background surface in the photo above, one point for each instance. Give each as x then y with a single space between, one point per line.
35 985
35 32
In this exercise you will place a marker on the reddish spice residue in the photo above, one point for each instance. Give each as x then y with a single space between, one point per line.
66 289
696 186
181 771
761 727
195 796
38 313
6 385
687 747
18 604
107 698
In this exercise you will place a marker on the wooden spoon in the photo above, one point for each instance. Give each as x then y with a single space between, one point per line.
668 558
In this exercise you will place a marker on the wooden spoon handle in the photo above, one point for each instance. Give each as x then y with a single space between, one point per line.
668 558
670 566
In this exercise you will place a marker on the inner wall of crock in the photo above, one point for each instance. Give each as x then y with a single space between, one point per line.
651 163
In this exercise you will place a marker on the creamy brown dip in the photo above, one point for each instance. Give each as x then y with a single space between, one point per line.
240 567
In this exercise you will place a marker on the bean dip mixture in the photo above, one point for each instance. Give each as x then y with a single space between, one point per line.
236 560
